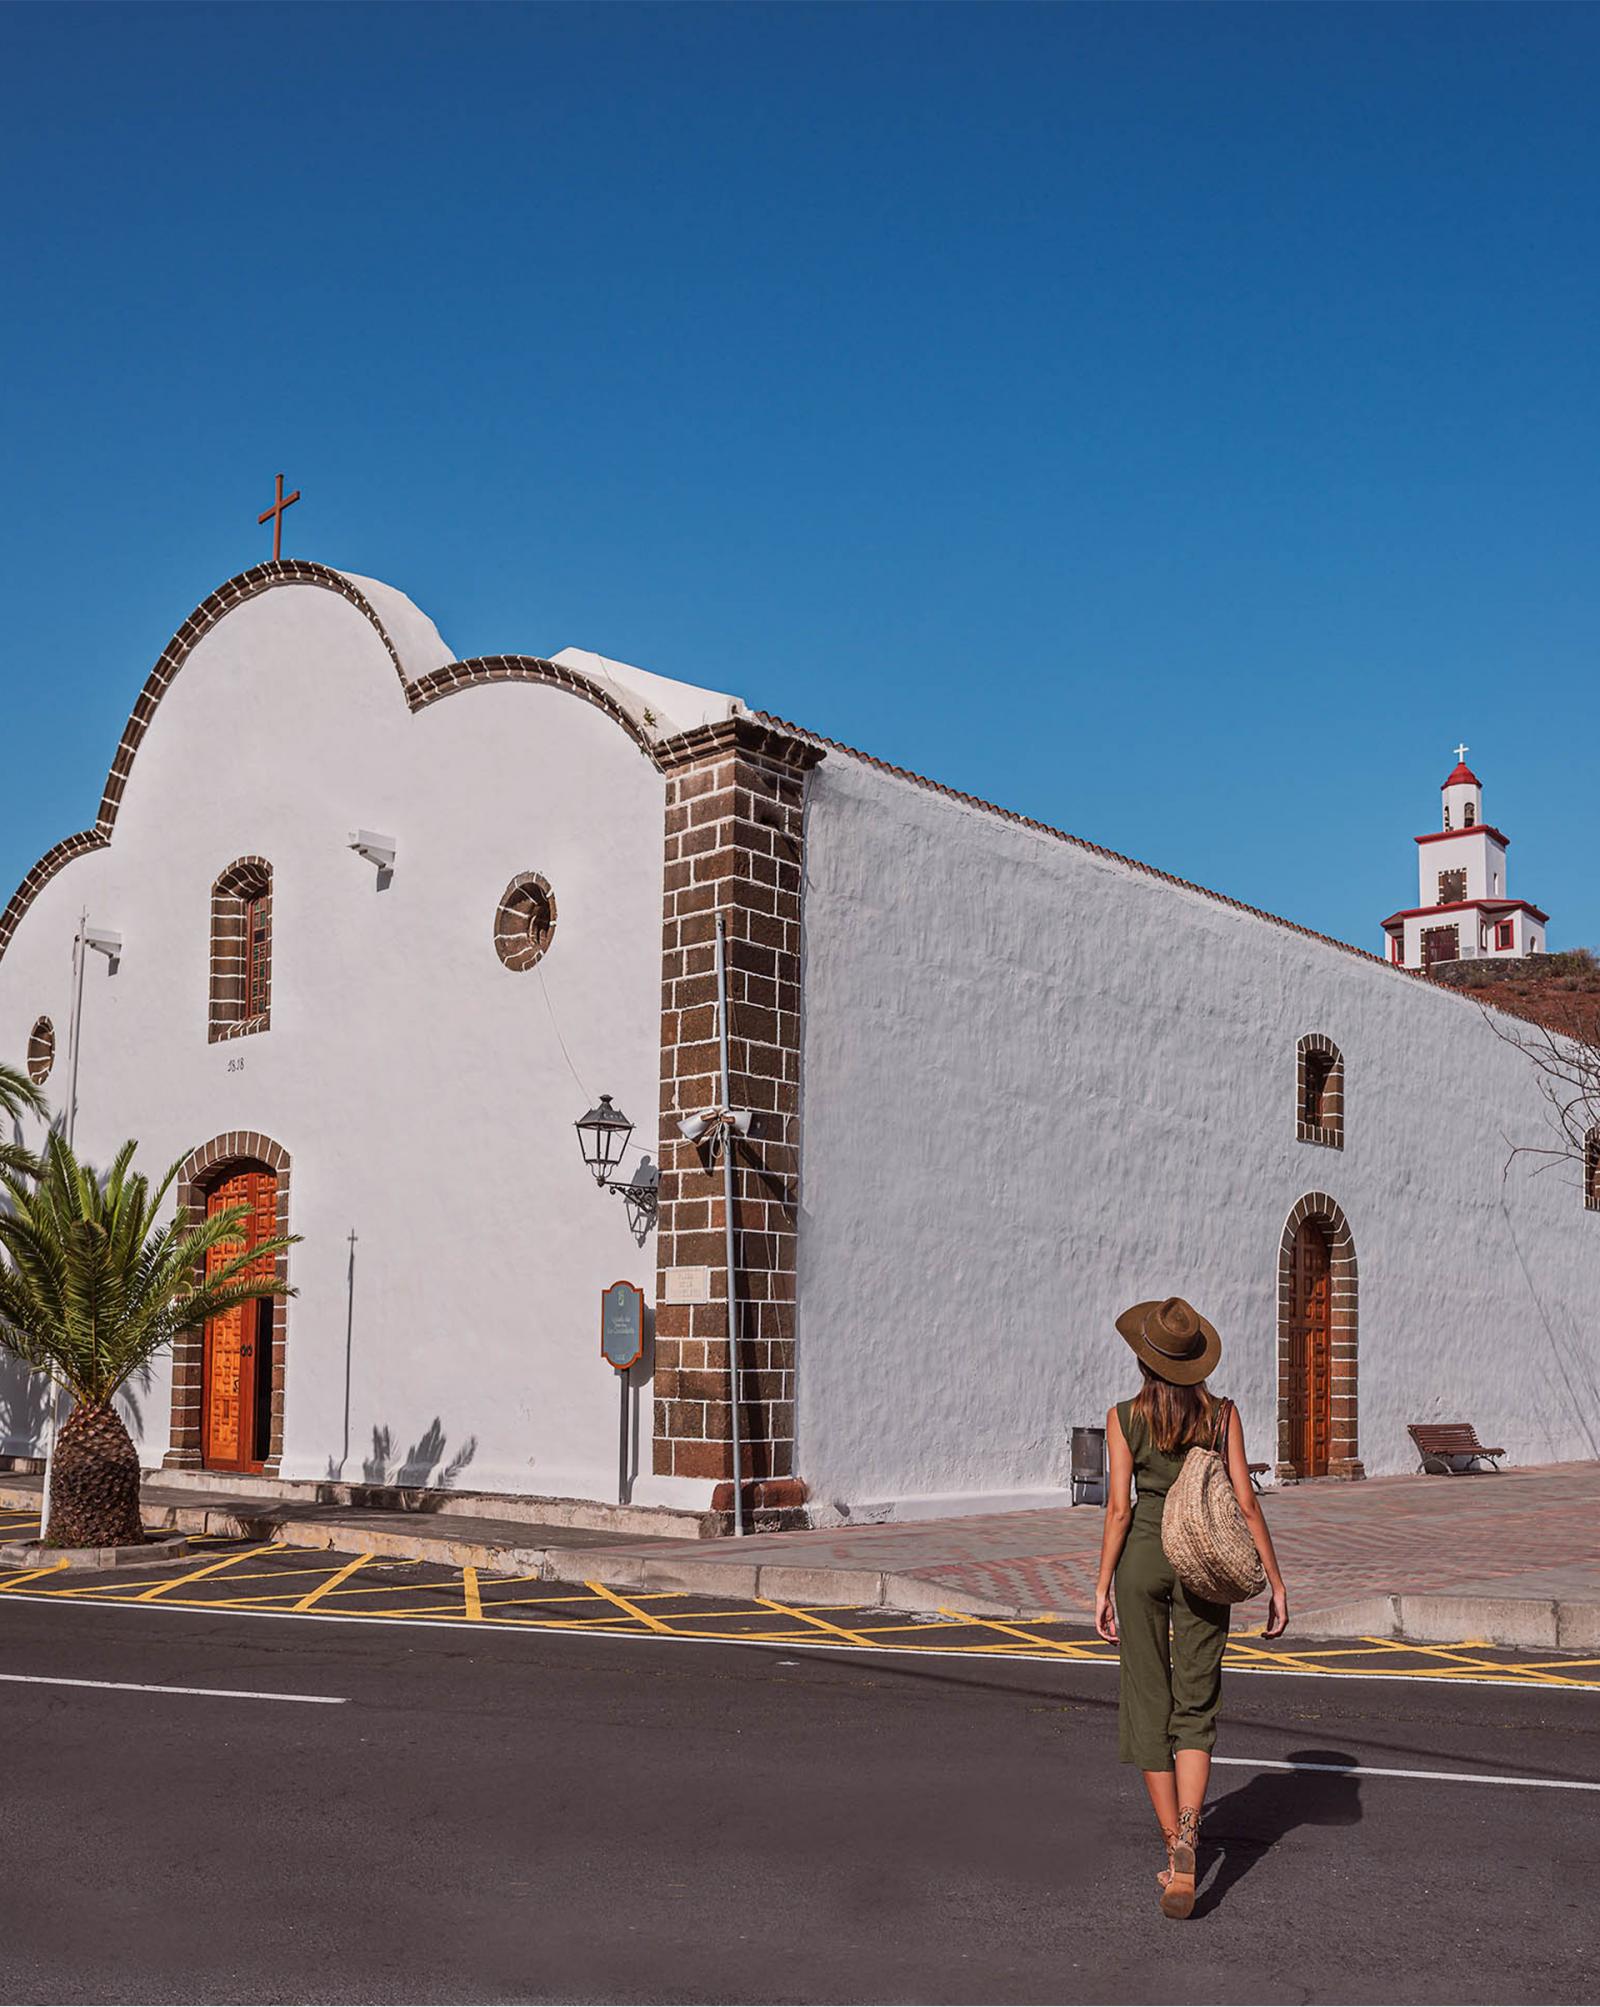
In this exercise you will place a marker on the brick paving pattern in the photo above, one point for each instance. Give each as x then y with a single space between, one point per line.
1517 1532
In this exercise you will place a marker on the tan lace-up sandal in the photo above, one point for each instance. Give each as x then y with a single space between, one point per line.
1177 1893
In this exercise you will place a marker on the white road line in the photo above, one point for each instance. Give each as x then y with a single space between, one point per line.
1426 1776
207 1692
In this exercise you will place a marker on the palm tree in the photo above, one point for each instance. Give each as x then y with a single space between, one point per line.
18 1097
93 1288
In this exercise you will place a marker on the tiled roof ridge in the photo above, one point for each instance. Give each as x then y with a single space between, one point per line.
1101 850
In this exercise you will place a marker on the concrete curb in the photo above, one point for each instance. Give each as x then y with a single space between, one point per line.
1519 1622
778 1582
32 1554
1539 1623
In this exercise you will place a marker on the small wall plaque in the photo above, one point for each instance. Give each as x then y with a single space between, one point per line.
686 1285
622 1325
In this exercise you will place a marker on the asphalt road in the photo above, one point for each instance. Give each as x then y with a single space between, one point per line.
536 1817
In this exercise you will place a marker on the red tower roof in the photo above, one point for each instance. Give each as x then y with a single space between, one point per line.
1462 777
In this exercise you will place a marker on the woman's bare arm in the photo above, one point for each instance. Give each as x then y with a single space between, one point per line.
1119 1517
1256 1520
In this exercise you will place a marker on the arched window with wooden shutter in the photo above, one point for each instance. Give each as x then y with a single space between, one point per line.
1319 1091
241 949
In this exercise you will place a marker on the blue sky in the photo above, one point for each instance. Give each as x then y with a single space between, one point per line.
1177 423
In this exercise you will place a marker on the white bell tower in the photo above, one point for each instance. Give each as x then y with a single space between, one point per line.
1464 910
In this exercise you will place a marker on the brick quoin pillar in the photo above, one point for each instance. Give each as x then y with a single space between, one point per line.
734 843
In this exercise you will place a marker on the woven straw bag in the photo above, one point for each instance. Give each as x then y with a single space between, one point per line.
1203 1530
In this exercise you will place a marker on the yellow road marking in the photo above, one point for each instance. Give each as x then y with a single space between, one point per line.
32 1575
808 1617
1067 1648
313 1596
195 1574
1244 1656
622 1603
1457 1660
626 1615
258 1601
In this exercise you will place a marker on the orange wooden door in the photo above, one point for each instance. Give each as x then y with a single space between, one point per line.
235 1400
1311 1352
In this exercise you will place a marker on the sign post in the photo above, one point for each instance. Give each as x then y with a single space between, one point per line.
622 1347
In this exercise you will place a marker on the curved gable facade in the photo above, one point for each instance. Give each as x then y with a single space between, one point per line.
425 1091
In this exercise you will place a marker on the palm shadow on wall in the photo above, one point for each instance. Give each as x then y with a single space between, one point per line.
1246 1825
23 1398
421 1467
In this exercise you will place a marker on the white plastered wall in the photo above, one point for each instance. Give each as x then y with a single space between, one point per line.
1040 1085
419 1087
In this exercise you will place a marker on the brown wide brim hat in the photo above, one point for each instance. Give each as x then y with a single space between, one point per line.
1172 1339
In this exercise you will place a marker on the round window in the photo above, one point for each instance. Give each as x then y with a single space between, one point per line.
525 921
41 1051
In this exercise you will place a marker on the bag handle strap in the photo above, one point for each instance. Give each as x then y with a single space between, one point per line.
1219 1439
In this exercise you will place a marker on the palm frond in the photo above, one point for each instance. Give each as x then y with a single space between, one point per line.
19 1096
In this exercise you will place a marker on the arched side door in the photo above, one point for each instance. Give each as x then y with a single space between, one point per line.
1310 1375
236 1371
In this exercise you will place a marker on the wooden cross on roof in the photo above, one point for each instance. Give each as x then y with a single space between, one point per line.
280 502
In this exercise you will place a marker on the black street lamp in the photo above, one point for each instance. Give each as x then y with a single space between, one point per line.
603 1136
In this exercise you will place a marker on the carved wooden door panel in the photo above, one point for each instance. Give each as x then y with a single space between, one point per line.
237 1370
1311 1352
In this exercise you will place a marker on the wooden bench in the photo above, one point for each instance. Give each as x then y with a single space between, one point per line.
1257 1472
1450 1449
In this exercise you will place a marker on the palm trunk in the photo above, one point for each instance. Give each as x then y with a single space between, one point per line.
94 1492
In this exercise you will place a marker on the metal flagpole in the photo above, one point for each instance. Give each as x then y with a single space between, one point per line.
52 1409
727 1211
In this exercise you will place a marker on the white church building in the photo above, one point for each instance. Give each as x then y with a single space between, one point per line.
361 931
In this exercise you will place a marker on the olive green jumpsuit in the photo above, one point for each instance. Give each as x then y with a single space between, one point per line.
1170 1642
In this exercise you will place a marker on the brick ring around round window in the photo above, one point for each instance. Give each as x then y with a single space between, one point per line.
525 922
41 1051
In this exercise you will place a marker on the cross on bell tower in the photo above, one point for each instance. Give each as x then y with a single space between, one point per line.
281 501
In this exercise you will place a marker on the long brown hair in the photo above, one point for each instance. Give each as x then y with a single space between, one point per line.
1175 1416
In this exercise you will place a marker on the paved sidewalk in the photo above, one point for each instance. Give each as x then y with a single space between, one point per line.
1525 1537
1511 1557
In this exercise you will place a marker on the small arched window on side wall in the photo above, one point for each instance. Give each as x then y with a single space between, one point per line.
241 949
1591 1169
1319 1091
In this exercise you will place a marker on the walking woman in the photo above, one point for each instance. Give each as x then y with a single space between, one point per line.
1169 1641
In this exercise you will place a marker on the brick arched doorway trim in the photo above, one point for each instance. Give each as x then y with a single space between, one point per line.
202 1170
1343 1453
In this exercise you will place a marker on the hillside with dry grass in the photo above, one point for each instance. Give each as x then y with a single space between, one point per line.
1560 992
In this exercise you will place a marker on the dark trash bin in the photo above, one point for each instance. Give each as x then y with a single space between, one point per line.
1088 1466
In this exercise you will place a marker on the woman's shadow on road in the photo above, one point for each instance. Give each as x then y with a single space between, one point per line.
1249 1822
